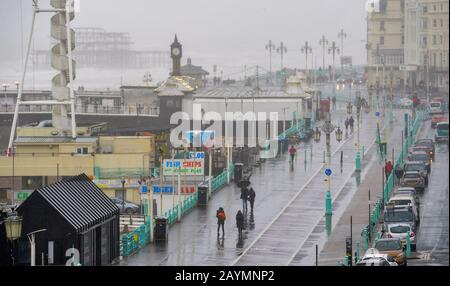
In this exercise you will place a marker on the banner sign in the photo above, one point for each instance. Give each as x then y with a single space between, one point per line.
190 167
189 189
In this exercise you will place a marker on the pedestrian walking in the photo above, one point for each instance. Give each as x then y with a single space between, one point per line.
244 197
292 151
346 124
251 198
351 121
334 102
240 223
221 217
388 168
398 172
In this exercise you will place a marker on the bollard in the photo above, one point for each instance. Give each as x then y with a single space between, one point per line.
357 252
305 156
346 260
342 158
363 152
358 162
328 210
408 245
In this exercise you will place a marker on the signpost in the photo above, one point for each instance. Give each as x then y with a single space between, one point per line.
328 172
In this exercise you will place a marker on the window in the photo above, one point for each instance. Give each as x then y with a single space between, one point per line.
82 150
441 22
382 25
434 40
425 9
434 23
440 38
381 40
434 7
403 40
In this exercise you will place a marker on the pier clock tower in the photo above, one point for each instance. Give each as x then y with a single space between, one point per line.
175 54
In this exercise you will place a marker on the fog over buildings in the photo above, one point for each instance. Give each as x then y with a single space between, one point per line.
230 33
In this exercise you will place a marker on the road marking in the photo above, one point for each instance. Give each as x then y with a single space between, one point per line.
287 205
340 190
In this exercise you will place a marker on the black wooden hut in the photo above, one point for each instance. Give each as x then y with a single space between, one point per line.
76 215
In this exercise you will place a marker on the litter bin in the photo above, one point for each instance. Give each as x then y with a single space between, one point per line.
238 169
161 229
202 193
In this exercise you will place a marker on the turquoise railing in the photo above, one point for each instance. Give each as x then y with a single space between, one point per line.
138 238
389 185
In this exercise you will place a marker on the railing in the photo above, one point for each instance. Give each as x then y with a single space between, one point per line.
222 179
389 186
143 110
139 237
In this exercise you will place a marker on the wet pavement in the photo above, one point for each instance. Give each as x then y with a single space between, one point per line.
432 237
195 241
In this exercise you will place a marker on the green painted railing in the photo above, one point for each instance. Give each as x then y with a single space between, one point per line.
389 185
138 238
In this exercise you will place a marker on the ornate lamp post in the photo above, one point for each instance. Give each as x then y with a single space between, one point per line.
13 226
328 128
305 50
334 50
281 50
358 115
391 114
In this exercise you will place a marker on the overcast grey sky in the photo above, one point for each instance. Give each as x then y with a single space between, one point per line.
226 32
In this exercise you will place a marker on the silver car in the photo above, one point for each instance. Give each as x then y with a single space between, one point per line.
400 230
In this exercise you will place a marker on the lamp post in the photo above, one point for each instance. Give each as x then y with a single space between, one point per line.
328 128
32 239
123 194
270 47
323 42
13 226
334 50
305 50
391 115
342 35
5 87
282 50
358 114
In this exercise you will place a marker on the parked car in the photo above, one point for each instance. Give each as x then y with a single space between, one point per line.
417 166
406 200
398 214
126 207
373 257
423 148
436 119
426 142
407 191
394 248
413 179
435 107
441 132
421 156
400 230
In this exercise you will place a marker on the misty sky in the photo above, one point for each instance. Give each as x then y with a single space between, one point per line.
230 33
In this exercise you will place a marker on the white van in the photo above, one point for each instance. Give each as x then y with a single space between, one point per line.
435 107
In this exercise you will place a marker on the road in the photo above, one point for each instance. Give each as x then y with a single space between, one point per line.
195 241
432 237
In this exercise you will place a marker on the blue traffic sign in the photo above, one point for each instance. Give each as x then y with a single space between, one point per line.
328 172
377 114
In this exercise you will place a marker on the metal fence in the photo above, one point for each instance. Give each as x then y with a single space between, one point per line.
139 237
389 186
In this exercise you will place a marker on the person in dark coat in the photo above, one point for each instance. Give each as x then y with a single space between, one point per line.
244 197
346 125
251 198
240 223
351 121
221 217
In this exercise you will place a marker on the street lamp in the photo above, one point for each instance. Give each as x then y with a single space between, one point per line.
328 128
123 194
5 87
349 108
339 134
13 226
